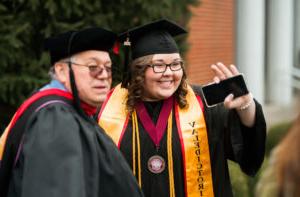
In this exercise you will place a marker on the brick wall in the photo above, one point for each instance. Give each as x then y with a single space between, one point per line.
211 38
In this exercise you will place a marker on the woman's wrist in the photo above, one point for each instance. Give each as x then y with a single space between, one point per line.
248 104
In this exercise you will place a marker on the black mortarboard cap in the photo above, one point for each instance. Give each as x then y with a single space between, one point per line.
153 38
72 42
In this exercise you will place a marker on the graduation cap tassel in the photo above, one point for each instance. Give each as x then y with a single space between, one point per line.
75 93
126 70
73 83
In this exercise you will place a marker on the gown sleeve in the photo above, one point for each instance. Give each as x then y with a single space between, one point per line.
241 144
51 156
246 145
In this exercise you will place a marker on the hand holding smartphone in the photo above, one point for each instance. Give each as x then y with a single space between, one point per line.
217 92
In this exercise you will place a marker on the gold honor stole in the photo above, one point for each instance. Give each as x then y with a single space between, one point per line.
4 137
113 118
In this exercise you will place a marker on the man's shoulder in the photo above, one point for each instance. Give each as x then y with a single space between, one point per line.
40 100
25 117
50 94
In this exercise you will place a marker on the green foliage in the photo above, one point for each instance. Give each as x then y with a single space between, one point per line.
238 180
275 134
25 24
244 186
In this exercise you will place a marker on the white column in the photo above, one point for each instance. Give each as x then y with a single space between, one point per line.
297 33
280 51
250 44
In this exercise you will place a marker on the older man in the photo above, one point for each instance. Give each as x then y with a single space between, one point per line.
53 146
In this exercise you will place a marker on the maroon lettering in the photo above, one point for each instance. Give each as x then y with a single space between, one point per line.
192 124
200 178
195 132
197 144
201 193
199 166
200 172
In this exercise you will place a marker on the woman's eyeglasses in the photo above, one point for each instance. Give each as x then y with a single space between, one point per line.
162 67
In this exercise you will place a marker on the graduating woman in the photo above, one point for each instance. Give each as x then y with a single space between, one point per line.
175 145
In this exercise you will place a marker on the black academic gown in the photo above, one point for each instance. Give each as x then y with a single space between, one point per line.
227 137
65 155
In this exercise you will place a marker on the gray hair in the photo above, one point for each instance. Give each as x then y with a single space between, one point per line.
51 71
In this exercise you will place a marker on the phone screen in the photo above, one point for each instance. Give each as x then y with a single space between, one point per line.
216 93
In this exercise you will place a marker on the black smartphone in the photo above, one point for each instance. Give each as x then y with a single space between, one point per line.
216 92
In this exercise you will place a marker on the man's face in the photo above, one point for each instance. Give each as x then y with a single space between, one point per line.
92 72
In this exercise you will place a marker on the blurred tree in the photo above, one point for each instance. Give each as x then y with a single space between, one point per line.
25 23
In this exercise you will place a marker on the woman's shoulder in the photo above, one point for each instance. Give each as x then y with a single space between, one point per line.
197 89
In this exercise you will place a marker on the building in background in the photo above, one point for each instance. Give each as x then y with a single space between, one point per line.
211 38
262 37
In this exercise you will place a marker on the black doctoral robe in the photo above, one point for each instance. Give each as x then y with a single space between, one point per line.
227 137
65 155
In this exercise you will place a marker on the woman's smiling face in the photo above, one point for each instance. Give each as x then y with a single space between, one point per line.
159 86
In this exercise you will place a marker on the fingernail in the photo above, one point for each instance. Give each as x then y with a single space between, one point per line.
228 98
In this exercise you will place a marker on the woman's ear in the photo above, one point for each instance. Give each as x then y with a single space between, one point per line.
61 72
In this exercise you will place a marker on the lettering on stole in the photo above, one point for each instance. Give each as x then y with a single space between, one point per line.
196 142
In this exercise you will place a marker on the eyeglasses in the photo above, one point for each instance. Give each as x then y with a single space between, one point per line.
162 67
95 70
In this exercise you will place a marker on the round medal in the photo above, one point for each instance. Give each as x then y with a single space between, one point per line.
156 164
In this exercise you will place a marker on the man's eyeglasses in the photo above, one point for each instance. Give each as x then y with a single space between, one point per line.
94 69
162 67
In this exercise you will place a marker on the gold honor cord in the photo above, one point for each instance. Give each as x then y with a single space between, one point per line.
135 137
133 145
135 132
170 157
